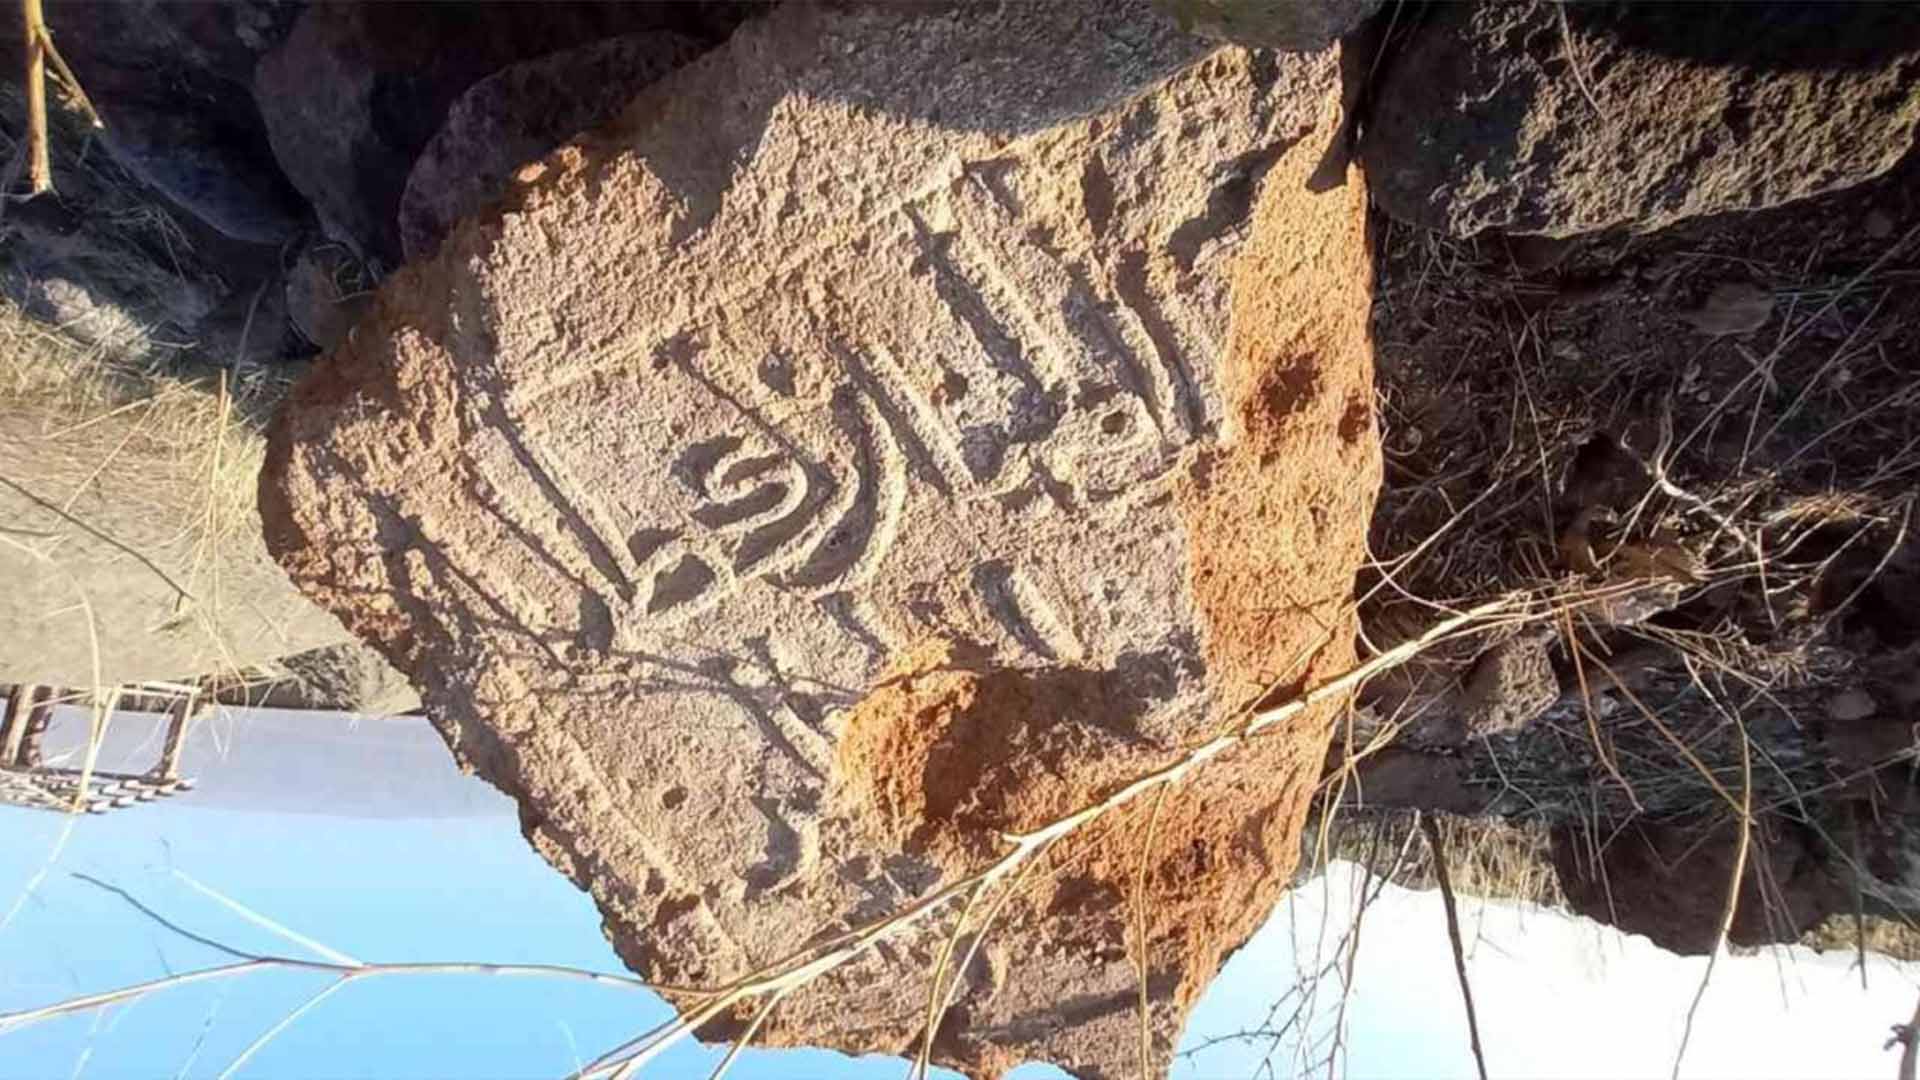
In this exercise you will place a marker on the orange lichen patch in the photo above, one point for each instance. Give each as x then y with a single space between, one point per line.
1278 517
891 734
948 758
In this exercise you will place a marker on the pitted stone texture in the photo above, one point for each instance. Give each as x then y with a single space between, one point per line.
1295 25
874 328
1511 684
518 115
1543 117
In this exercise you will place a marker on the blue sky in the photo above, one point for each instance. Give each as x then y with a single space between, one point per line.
364 837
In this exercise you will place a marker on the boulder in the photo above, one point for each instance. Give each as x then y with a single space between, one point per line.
1668 880
357 90
94 260
134 261
210 162
519 114
1542 117
327 290
137 550
906 425
1509 686
1293 25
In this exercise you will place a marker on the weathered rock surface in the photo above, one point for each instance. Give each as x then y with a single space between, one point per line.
144 541
895 433
1541 117
346 677
119 265
356 90
326 291
1294 25
1510 685
518 115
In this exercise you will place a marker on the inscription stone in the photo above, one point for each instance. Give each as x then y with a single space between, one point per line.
873 328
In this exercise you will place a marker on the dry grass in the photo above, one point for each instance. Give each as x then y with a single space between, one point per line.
1846 934
1563 425
108 452
1486 857
167 432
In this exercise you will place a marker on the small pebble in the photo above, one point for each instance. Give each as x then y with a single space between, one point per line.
1851 705
1732 308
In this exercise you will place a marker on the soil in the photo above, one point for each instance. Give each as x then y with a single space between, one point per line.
1541 378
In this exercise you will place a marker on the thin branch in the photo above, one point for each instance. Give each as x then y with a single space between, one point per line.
1679 745
1593 720
1440 876
1909 1036
808 964
264 923
39 164
1732 907
1140 935
1573 60
286 1022
66 76
753 1028
142 908
937 988
101 536
15 1021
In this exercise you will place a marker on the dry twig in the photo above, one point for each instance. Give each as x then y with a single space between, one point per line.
40 50
1732 907
1453 936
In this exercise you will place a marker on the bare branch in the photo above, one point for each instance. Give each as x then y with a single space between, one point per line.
1432 832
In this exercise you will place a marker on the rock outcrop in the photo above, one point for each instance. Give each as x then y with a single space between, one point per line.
908 424
172 82
1669 881
1293 25
1540 117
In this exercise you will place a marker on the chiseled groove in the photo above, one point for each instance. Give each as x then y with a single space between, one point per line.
929 447
865 514
1130 287
1060 312
1023 611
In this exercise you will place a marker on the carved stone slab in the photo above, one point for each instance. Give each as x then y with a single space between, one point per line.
875 328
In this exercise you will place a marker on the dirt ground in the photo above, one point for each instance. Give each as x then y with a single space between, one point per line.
1731 404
